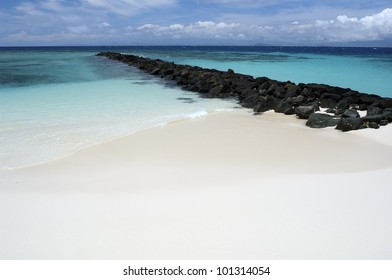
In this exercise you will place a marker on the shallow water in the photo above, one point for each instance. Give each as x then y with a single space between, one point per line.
49 115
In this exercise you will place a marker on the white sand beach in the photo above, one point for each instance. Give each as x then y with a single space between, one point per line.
226 186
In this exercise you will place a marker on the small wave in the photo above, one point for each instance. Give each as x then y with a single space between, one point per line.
192 115
225 110
196 114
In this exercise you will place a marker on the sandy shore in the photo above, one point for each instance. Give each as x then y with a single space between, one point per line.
226 186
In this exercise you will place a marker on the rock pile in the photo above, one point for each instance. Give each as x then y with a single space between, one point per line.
263 94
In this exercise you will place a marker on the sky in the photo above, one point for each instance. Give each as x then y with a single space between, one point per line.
196 22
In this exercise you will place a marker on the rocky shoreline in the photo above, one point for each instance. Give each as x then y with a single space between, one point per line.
262 94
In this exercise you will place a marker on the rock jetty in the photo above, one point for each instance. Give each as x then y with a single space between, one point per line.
262 94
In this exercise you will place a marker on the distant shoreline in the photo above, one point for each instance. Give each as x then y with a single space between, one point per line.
198 46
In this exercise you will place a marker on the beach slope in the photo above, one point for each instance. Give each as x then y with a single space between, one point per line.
225 186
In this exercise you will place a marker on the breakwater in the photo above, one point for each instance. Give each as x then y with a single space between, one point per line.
342 105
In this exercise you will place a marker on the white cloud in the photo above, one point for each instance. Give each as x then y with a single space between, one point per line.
150 27
104 24
176 27
245 2
128 7
58 38
341 29
79 29
200 29
29 9
344 28
93 19
381 22
53 5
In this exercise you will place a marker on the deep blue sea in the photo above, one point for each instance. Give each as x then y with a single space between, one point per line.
55 101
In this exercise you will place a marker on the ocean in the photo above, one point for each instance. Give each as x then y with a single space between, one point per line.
55 101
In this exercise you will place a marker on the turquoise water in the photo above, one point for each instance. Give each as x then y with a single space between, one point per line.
80 100
366 70
55 101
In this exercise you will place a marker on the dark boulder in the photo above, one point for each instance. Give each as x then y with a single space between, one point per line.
385 103
330 111
384 122
155 71
277 91
374 111
347 124
368 98
291 90
351 113
328 103
251 100
339 111
185 73
350 99
298 100
303 112
320 120
247 93
373 125
181 81
289 111
333 96
265 103
388 114
219 91
363 107
343 104
283 106
202 86
307 91
374 118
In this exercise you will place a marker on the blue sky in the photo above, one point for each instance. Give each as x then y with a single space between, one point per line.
202 22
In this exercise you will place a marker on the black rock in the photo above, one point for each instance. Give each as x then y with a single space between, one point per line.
264 104
384 122
347 124
374 118
339 112
385 103
298 100
374 111
333 96
291 90
251 100
283 106
373 125
330 111
320 120
369 98
182 81
303 112
328 103
343 104
219 91
388 114
363 107
351 113
289 111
